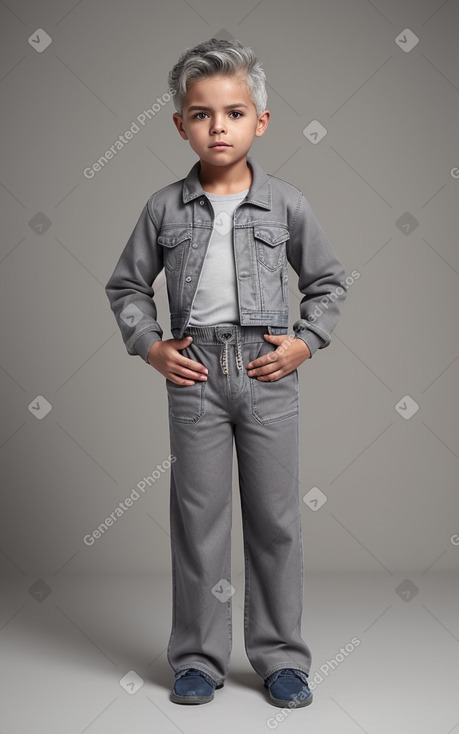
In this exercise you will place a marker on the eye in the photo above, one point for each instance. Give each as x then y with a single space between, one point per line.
236 112
197 115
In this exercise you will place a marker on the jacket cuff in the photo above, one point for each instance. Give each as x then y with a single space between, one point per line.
144 342
313 340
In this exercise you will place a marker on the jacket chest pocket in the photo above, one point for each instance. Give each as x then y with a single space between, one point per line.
176 242
270 245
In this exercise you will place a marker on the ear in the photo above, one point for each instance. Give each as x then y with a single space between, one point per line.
262 123
178 120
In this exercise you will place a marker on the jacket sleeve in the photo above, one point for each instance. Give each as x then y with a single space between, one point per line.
321 278
129 288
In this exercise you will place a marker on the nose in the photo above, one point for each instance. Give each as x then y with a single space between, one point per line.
218 126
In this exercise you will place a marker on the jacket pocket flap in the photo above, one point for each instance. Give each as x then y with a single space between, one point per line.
173 237
271 235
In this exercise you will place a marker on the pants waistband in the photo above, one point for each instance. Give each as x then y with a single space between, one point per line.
228 333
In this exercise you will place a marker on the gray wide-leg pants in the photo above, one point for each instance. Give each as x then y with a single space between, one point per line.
262 419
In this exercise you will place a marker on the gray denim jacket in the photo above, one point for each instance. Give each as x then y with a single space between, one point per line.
273 226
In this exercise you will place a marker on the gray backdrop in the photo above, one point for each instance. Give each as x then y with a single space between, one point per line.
83 423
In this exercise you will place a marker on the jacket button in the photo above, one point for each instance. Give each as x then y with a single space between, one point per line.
201 201
188 279
194 245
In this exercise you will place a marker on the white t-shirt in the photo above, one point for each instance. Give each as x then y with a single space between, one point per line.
215 301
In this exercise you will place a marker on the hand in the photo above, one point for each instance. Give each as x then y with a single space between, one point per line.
165 356
290 353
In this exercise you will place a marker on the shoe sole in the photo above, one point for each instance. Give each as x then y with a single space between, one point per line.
190 699
292 704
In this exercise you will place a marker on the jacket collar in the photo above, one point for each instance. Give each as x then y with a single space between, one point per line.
259 192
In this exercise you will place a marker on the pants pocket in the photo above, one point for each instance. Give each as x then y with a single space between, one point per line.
186 402
274 401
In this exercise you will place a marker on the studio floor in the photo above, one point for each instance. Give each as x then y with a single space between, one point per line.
88 654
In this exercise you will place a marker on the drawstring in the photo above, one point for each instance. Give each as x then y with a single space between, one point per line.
224 356
238 353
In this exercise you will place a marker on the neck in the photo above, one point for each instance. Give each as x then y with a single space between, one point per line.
225 179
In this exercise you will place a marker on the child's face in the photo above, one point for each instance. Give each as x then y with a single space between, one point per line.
219 109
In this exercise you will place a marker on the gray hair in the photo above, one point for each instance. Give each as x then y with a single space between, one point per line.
218 57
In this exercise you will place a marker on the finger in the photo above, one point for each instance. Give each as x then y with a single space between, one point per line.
274 338
272 376
178 358
180 380
185 377
191 364
272 356
266 369
182 343
190 374
262 361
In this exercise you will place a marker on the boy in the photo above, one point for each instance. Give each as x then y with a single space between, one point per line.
225 235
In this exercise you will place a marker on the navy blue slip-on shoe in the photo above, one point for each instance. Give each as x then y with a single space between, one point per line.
288 688
193 686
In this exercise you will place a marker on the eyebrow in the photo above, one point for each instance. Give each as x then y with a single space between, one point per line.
208 109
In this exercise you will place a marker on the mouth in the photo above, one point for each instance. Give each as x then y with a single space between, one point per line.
220 144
